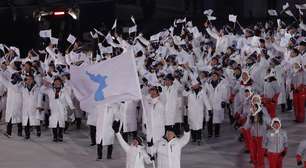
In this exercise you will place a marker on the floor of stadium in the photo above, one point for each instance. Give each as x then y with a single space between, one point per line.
75 152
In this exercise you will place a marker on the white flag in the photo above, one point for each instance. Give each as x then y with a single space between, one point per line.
98 32
155 37
303 6
93 35
115 24
2 48
302 26
54 41
181 20
232 18
45 33
133 20
132 29
143 40
109 38
71 39
272 12
288 12
208 12
286 6
301 13
211 18
101 83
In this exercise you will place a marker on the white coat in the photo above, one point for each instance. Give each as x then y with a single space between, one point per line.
135 156
170 98
30 103
169 153
13 102
58 107
128 115
105 118
154 118
217 96
198 104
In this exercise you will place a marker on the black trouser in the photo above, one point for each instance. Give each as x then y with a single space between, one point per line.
78 122
210 128
66 126
109 151
27 130
9 128
196 135
92 131
57 133
46 119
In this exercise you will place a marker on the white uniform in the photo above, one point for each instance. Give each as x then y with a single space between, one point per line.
29 106
135 156
58 107
217 96
198 104
105 117
169 153
170 98
128 115
14 101
154 118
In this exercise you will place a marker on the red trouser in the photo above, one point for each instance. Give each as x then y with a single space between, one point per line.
247 137
257 152
275 160
271 107
298 103
304 164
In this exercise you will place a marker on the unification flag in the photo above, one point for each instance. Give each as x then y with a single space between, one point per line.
107 82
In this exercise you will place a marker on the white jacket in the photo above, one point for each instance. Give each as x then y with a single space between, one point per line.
105 118
169 153
135 156
170 98
58 107
198 105
154 118
128 115
217 96
30 105
14 101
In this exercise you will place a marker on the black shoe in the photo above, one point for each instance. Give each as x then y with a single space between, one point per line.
99 158
55 140
19 134
209 136
27 138
60 139
216 136
199 142
38 134
109 157
93 144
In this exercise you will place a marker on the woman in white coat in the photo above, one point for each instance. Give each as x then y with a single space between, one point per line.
59 100
198 105
106 114
154 115
13 114
30 111
218 95
136 155
128 115
170 98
